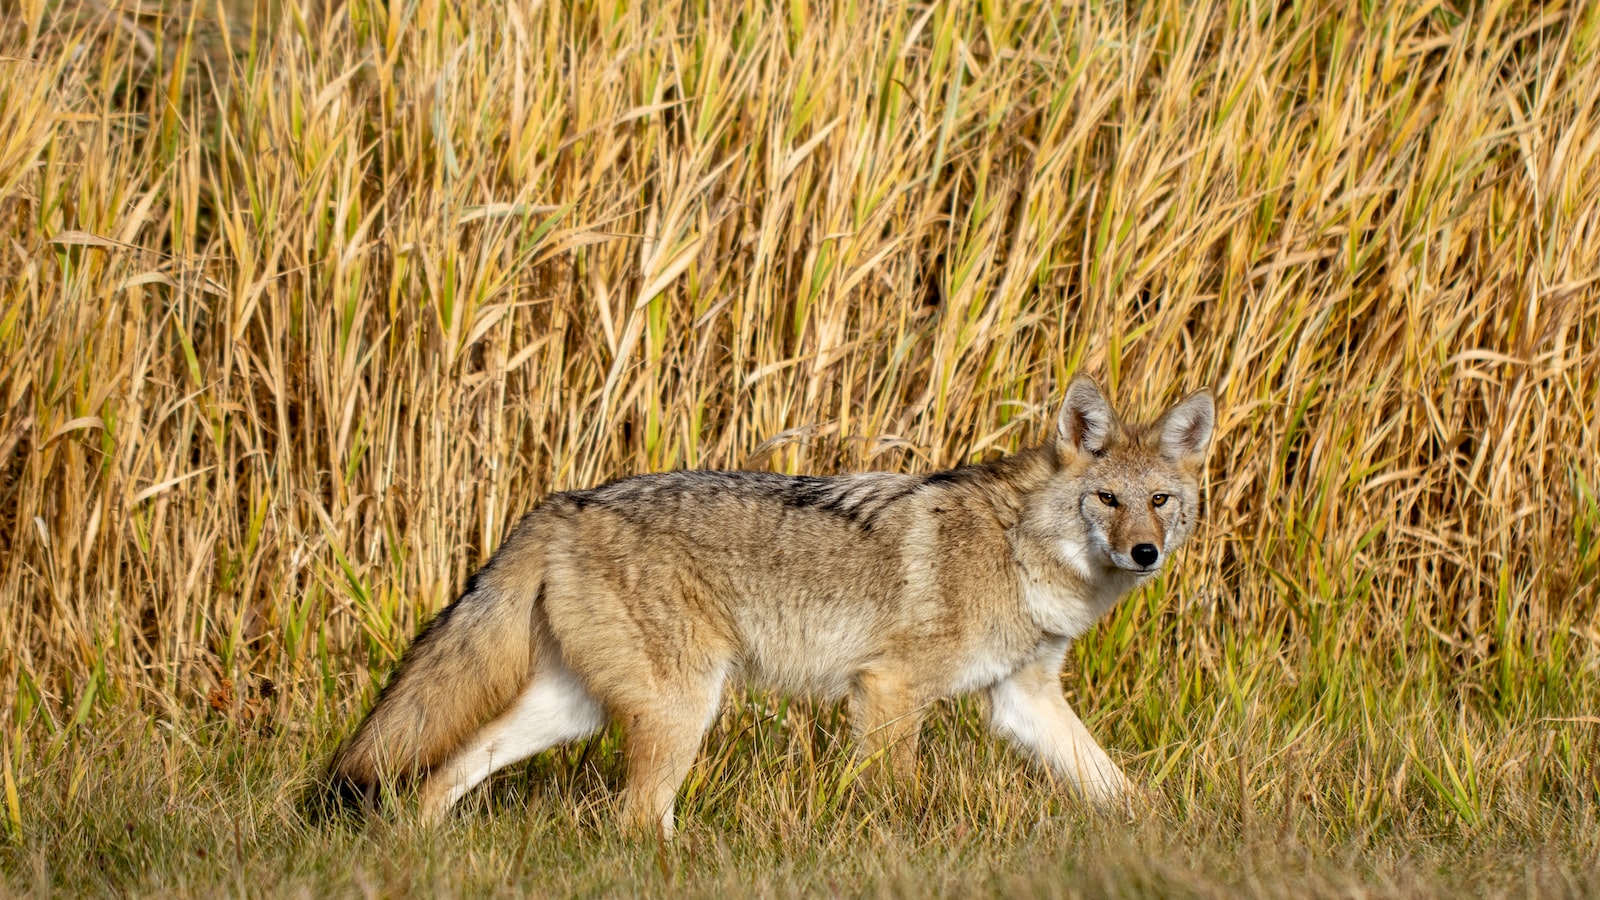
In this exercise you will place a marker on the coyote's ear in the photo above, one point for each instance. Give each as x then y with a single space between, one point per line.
1087 424
1185 429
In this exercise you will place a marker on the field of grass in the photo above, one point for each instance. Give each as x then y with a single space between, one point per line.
301 305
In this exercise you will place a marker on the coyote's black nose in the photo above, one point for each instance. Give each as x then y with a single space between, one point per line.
1146 555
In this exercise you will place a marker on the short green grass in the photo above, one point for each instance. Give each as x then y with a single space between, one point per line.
302 303
1254 786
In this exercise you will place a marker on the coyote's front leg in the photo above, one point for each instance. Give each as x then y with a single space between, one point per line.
1029 709
886 714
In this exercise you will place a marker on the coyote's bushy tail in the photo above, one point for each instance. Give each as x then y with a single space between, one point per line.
467 666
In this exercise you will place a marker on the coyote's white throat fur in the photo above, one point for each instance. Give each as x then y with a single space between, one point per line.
637 601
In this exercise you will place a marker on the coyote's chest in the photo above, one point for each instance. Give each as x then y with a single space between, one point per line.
1069 598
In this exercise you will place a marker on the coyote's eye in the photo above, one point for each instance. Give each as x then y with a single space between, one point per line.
1158 499
1108 498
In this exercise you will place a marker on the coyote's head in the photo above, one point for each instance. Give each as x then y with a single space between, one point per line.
1125 496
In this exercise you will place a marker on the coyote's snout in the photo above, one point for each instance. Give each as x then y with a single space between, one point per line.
637 601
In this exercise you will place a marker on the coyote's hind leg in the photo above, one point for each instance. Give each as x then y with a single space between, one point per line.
554 708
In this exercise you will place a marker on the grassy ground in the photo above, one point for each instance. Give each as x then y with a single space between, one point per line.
303 304
1240 811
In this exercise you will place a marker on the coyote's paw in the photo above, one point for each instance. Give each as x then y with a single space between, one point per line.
1110 791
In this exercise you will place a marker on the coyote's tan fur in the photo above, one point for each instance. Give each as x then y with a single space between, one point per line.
638 600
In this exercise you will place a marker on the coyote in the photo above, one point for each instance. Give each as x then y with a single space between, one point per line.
636 602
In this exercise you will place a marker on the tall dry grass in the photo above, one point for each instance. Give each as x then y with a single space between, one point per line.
302 306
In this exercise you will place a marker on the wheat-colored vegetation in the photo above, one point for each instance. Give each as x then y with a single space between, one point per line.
302 305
